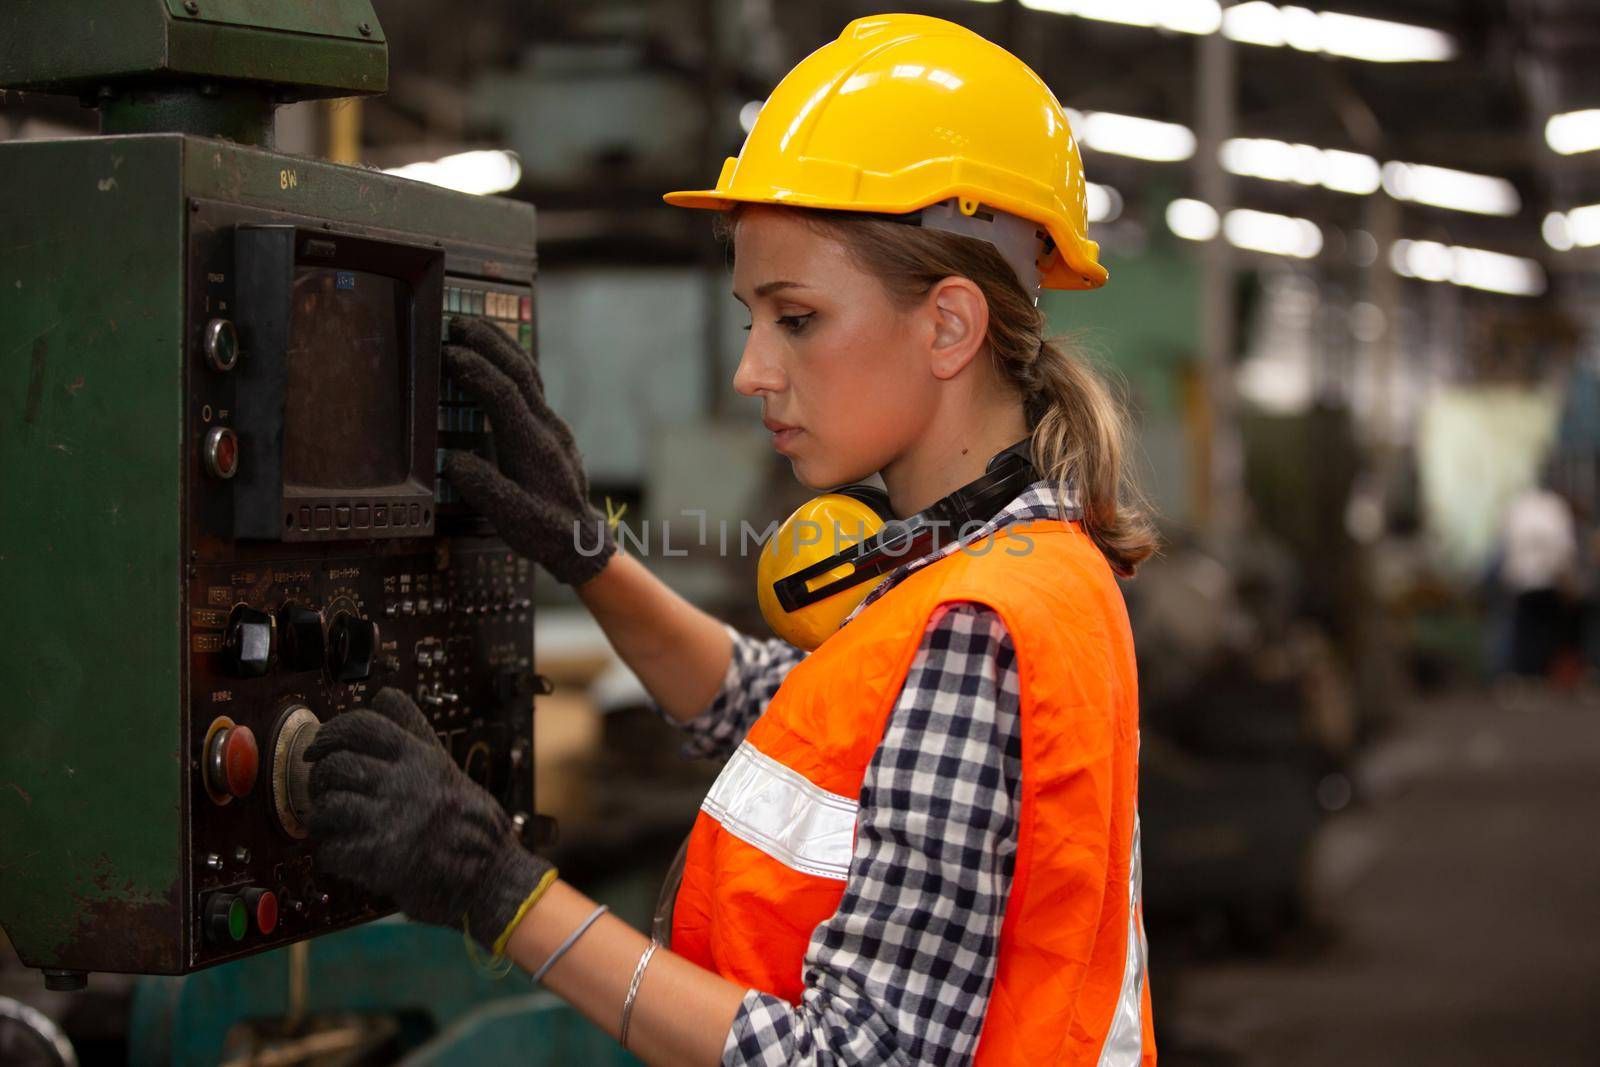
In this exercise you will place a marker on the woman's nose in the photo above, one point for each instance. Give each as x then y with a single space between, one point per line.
757 372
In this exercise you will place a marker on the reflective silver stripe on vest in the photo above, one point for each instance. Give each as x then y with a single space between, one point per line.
782 813
1125 1041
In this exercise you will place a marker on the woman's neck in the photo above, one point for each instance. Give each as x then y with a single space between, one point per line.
946 458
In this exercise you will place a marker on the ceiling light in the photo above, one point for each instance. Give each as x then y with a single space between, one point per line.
1125 135
1184 16
1278 235
1557 232
1280 161
1103 202
1193 220
1475 268
1350 36
1349 172
1454 189
1573 132
483 172
1583 224
748 114
1257 231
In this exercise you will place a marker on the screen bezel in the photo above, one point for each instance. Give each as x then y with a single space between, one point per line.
266 259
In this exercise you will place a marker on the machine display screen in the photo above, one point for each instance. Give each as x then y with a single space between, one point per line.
347 410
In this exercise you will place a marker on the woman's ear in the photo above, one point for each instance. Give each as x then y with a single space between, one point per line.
960 317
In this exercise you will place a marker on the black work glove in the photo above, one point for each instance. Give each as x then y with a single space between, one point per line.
538 499
391 812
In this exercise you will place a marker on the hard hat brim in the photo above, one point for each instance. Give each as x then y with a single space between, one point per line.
1071 266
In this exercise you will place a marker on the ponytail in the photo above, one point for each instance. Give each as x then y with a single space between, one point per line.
1078 429
1079 435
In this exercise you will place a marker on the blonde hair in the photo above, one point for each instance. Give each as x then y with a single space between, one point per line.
1079 430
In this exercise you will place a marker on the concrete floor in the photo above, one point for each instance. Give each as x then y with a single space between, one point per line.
1459 906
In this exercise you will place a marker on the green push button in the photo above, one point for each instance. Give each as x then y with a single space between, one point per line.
226 918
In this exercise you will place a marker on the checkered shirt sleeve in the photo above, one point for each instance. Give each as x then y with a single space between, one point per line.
756 670
901 973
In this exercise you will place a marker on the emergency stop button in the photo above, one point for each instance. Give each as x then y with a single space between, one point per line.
232 760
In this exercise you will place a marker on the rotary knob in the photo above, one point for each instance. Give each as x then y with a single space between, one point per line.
301 646
352 644
291 774
247 647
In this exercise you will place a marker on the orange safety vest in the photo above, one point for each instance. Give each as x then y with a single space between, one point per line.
771 847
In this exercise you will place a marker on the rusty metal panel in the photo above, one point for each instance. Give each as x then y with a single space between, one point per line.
91 403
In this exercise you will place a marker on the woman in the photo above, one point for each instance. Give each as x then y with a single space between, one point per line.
924 847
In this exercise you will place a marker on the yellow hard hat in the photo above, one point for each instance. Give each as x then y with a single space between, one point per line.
906 111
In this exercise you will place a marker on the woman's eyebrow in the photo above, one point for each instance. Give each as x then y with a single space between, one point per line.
768 288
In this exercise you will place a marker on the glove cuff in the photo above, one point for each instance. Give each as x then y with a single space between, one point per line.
580 566
508 888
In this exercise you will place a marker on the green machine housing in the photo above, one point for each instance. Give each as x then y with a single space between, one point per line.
221 418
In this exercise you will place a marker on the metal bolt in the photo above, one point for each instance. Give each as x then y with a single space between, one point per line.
241 854
191 6
214 861
366 29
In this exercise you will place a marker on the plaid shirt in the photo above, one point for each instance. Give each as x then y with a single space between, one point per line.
901 973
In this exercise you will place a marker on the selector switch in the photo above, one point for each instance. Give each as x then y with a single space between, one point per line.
301 646
247 647
352 644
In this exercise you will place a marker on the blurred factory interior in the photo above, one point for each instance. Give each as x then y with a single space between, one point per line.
1354 308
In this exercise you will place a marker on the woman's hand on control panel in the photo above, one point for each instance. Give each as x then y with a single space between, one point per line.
392 813
538 497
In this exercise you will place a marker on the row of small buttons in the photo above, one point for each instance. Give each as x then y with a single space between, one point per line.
362 516
482 605
438 604
483 302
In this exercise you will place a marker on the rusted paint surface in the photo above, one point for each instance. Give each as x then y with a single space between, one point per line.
90 420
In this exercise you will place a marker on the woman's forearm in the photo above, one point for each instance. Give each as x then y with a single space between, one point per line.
682 1013
679 652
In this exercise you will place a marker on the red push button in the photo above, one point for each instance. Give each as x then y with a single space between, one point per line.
232 760
221 452
263 905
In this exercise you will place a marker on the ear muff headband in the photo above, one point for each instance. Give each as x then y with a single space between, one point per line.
1008 474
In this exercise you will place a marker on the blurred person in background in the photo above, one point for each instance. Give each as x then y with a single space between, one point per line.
924 847
1538 575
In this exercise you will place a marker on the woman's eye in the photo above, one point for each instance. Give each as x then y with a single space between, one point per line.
791 323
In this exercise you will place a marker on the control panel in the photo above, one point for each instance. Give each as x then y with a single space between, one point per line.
278 648
371 584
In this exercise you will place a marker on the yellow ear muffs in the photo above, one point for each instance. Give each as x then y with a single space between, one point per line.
819 529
